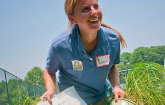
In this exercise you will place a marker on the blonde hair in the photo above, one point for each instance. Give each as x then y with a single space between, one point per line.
69 10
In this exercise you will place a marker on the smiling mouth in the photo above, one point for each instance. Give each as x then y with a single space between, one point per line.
93 20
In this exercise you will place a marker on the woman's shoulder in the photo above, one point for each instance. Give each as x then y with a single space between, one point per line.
63 36
109 33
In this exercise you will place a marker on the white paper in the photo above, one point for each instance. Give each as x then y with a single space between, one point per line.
66 97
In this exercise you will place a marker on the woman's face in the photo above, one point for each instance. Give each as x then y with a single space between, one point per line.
88 15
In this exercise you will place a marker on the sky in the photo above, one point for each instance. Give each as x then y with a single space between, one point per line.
27 28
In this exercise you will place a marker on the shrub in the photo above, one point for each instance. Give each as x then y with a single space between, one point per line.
145 84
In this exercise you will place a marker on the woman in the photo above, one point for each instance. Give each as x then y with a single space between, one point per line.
85 55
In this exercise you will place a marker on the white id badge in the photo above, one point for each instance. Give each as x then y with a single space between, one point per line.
102 60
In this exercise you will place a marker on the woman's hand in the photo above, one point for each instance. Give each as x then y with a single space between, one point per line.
115 81
48 94
50 80
119 93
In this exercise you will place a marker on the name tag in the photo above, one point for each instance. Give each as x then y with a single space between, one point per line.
77 65
102 60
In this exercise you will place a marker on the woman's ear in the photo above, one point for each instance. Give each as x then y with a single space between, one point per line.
71 19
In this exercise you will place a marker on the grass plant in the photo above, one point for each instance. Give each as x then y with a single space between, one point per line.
145 84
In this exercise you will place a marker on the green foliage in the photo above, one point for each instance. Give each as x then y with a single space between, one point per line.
125 57
26 99
16 100
35 76
121 66
125 60
3 99
123 76
19 92
20 99
145 84
35 101
153 54
3 93
12 85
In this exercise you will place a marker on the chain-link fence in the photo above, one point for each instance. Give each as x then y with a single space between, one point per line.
14 89
11 86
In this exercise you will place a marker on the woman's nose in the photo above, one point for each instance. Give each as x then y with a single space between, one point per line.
93 11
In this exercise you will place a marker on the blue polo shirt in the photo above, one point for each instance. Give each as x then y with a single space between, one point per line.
74 67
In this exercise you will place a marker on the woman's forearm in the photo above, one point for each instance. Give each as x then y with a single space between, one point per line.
114 76
50 80
115 81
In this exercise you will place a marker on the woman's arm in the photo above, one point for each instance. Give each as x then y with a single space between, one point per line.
50 80
115 81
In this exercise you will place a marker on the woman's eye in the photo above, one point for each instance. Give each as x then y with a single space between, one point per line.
85 9
96 6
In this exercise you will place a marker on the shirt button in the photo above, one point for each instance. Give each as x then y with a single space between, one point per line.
91 59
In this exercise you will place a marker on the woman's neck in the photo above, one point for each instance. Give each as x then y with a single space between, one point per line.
88 37
89 40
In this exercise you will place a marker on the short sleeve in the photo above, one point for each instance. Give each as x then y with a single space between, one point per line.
117 55
53 62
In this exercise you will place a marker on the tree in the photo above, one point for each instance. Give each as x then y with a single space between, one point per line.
3 93
160 51
125 57
121 66
154 54
35 76
20 99
125 60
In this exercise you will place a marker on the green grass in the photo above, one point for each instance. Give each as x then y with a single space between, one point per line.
145 84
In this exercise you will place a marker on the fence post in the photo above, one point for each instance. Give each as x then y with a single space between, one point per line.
38 90
6 86
34 91
164 67
164 62
26 88
19 88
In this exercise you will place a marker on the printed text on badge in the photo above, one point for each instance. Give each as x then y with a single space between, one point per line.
102 60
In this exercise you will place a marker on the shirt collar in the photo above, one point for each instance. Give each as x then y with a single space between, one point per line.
76 34
102 39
